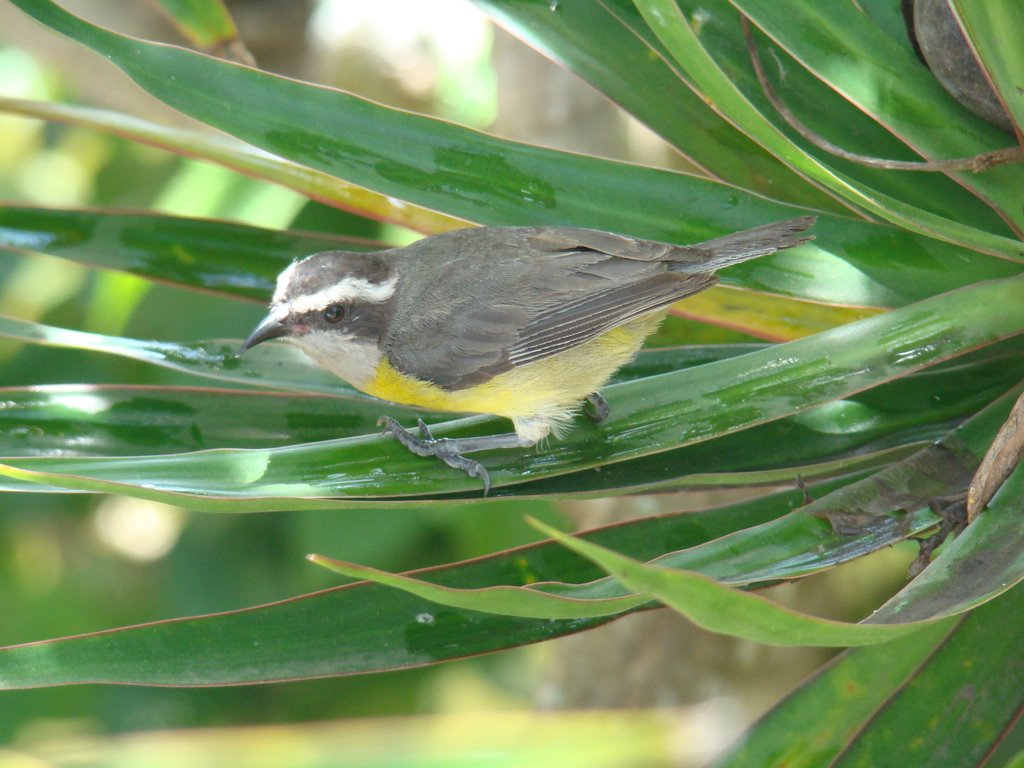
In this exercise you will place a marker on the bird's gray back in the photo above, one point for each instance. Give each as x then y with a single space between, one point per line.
480 301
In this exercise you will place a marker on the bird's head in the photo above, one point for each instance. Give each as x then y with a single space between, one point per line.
332 305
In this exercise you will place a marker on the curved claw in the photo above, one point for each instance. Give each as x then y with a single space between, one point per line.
424 430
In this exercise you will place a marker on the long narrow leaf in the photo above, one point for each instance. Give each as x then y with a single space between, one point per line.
520 602
232 260
580 33
277 366
357 628
977 678
916 108
242 158
649 416
880 425
838 699
985 560
718 608
671 27
852 263
419 159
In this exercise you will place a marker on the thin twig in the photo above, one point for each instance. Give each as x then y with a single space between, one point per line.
973 164
1001 459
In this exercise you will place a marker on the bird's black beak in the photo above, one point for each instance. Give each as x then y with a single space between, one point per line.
272 327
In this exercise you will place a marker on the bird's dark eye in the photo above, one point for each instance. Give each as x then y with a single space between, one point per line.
334 313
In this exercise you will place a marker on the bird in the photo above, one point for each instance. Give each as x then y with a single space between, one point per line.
522 322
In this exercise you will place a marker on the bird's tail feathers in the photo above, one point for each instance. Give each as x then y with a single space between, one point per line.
748 244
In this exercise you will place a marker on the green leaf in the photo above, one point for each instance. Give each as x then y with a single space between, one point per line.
579 33
865 702
240 157
673 30
849 263
91 419
965 698
98 420
719 608
423 160
231 260
886 81
521 602
357 628
717 25
649 416
277 366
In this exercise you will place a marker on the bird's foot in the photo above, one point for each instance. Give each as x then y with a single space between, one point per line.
445 449
596 408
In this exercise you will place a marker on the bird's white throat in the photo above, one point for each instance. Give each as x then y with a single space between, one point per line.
349 358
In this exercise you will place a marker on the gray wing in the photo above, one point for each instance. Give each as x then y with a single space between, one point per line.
500 297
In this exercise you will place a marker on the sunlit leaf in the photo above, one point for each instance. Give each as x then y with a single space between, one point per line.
887 82
240 157
520 602
423 160
579 33
718 608
673 30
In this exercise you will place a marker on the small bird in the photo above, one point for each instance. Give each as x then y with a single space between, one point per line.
521 322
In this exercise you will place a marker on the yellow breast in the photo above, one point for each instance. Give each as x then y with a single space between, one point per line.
548 388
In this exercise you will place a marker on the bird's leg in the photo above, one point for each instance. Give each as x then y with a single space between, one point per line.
450 450
597 409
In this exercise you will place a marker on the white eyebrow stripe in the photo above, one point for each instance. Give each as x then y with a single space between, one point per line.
351 288
282 282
